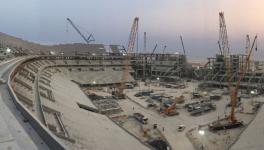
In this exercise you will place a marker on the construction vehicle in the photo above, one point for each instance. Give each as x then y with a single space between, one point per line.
141 118
171 111
231 121
89 39
181 128
119 92
198 110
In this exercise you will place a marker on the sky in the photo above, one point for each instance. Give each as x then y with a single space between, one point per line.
44 21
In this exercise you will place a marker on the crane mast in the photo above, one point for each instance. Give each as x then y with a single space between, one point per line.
87 40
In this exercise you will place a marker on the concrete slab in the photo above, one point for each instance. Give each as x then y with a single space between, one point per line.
252 137
90 130
18 134
6 139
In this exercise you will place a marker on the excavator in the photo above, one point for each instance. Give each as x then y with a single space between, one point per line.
171 111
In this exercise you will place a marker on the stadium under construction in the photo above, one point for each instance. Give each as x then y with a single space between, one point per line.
107 97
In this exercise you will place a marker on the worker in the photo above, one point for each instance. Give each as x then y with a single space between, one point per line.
155 126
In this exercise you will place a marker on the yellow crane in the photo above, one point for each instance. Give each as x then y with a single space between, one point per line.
234 90
127 57
224 44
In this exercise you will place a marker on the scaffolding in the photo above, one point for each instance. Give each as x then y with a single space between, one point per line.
159 66
215 74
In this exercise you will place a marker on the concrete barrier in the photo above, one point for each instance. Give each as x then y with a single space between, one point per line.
47 136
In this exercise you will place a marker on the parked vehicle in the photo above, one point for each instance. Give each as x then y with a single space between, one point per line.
181 128
143 93
141 118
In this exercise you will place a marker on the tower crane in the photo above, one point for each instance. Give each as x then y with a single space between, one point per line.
132 38
89 39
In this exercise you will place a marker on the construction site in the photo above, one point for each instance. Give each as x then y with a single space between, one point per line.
107 97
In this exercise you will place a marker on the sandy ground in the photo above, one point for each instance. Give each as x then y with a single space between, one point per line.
178 140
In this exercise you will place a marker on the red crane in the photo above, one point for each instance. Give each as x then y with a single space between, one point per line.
131 44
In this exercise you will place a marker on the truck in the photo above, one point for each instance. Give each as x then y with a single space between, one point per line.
141 118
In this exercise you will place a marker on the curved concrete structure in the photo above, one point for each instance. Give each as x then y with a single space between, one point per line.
43 91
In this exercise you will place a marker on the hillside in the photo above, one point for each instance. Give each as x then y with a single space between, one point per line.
35 48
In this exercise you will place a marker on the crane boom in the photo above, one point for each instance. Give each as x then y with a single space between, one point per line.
182 45
154 49
241 75
131 44
223 38
247 43
224 46
87 40
220 48
247 50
